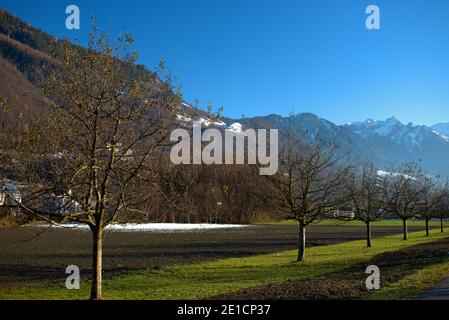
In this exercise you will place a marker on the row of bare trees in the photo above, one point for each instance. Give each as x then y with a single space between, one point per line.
315 181
405 192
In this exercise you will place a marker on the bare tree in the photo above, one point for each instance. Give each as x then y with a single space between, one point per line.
6 132
3 112
308 184
237 200
441 204
368 201
91 157
430 204
177 183
406 192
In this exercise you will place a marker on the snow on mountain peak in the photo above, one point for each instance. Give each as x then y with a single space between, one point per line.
442 136
410 136
371 127
441 128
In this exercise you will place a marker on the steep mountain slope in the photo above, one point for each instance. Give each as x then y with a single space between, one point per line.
18 90
20 68
22 97
29 53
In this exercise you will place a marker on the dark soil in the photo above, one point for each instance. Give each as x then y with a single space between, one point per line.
350 283
26 255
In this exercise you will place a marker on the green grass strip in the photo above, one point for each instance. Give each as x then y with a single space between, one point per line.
358 223
202 280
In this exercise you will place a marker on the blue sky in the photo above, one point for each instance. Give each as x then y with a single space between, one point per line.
256 57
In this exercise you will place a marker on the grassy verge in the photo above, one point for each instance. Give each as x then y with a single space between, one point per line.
404 274
380 223
202 280
412 285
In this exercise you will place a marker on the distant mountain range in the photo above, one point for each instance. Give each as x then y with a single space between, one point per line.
385 143
24 50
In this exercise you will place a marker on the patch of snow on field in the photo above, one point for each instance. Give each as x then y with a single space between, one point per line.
157 227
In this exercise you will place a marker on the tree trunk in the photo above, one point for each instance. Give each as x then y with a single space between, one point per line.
404 224
368 234
302 243
427 227
97 263
441 225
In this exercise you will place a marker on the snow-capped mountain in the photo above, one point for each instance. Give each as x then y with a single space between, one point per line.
408 142
409 136
386 143
442 128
